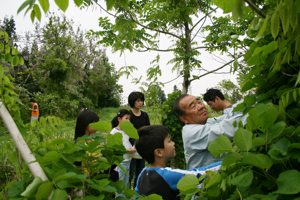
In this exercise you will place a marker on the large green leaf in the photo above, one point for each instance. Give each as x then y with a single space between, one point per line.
187 182
275 24
285 18
32 187
78 2
44 191
59 195
275 130
110 4
101 126
243 139
231 158
250 99
52 156
15 61
45 5
213 180
220 145
266 114
263 28
226 6
243 180
288 182
37 12
259 160
25 4
115 140
238 10
62 4
129 129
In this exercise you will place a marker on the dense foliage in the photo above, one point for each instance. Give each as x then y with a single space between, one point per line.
63 70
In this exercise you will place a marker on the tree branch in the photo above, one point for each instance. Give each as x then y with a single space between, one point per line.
256 9
216 69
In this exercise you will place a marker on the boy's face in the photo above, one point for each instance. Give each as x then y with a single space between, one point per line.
216 105
169 150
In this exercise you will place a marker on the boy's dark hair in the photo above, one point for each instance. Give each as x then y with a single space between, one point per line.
121 113
176 108
32 100
133 96
84 118
151 137
211 95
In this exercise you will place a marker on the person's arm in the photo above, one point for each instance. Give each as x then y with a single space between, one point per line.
172 176
199 136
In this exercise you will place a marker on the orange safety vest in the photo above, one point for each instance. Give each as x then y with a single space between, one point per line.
35 113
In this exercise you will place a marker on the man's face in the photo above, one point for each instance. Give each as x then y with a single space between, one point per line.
215 105
195 110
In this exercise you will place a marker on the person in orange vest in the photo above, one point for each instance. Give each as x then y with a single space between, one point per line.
34 110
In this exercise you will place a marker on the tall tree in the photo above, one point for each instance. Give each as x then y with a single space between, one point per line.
141 25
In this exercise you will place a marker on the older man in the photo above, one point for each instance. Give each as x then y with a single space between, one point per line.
199 130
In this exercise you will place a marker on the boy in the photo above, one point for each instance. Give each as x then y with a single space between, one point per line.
156 147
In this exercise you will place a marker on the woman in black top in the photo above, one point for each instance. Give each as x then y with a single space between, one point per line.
139 119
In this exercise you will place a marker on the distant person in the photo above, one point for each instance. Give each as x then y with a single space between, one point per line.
139 119
83 108
216 100
199 130
123 115
34 110
154 144
82 128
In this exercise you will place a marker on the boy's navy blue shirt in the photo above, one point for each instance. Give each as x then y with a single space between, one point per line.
163 181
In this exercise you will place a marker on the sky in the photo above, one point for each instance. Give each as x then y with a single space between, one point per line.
87 19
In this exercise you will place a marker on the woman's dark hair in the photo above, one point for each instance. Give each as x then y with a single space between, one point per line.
84 118
121 113
133 96
150 138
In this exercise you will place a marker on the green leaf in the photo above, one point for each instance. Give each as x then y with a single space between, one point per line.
59 195
115 140
263 28
243 139
258 141
124 3
7 49
250 99
187 182
275 130
78 2
7 57
62 4
267 114
45 5
213 180
293 13
275 24
129 129
44 191
101 126
220 145
37 12
64 176
15 61
52 156
25 4
32 15
242 180
231 158
110 4
32 187
239 107
288 182
238 10
279 150
258 160
1 72
226 6
16 189
284 16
